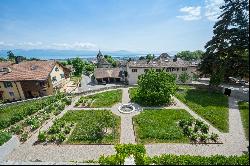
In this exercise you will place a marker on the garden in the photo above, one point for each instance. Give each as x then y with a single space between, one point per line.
103 99
211 105
83 127
244 112
30 116
158 126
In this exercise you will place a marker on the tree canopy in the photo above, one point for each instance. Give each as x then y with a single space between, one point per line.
155 88
111 60
189 55
227 52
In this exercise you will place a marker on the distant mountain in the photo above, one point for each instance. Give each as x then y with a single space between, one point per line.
64 54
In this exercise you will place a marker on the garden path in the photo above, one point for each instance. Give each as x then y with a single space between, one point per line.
234 141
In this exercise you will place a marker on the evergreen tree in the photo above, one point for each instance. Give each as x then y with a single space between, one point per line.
228 48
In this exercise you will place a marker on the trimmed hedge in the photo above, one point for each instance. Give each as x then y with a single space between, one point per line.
168 159
139 153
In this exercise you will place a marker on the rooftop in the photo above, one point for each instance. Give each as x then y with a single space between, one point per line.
26 70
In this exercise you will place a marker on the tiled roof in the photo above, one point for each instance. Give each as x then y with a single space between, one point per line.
5 64
28 70
158 63
107 72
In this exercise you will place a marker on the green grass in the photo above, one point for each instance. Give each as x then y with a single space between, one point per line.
244 112
212 106
132 94
4 137
156 126
86 127
104 99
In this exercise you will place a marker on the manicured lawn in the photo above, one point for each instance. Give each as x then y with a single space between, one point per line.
93 127
155 126
104 99
244 112
132 94
212 106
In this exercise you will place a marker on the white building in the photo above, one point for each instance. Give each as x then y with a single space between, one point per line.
173 65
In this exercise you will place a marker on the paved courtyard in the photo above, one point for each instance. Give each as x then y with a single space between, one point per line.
234 142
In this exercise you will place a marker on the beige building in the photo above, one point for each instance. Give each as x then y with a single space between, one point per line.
173 65
29 79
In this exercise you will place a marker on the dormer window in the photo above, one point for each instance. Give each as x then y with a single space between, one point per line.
56 69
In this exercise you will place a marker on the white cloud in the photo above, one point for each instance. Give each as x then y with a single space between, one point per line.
40 45
192 13
212 9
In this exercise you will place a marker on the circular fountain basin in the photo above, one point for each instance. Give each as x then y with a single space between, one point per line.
126 108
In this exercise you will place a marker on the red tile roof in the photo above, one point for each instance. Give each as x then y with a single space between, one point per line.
28 70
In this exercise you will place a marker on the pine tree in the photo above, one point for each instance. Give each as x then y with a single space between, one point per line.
227 51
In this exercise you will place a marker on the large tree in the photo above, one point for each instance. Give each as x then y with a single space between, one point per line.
78 65
227 52
155 88
189 55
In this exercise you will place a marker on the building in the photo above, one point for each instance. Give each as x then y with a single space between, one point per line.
102 62
164 62
29 79
108 75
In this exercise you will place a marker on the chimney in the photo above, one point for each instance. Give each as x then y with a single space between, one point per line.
18 59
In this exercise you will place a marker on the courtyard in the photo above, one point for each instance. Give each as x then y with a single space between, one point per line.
88 131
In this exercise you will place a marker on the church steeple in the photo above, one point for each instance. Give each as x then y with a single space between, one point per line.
99 55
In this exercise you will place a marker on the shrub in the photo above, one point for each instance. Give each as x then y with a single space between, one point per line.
155 88
4 137
52 138
17 129
183 77
214 137
24 136
61 137
42 136
203 137
204 128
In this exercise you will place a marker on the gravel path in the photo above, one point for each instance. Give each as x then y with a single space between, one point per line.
234 142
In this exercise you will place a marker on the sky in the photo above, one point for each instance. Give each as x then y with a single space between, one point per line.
133 25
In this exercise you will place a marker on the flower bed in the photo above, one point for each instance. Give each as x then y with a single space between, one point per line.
84 127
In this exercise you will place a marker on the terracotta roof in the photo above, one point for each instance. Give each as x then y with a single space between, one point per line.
158 63
28 70
107 72
5 64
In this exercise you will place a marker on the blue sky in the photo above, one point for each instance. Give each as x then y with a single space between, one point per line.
134 25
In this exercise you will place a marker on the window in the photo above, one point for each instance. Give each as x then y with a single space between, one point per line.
184 69
12 94
145 70
54 79
62 75
177 68
134 70
7 84
56 69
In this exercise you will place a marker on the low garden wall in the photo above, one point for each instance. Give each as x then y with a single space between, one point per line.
22 101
